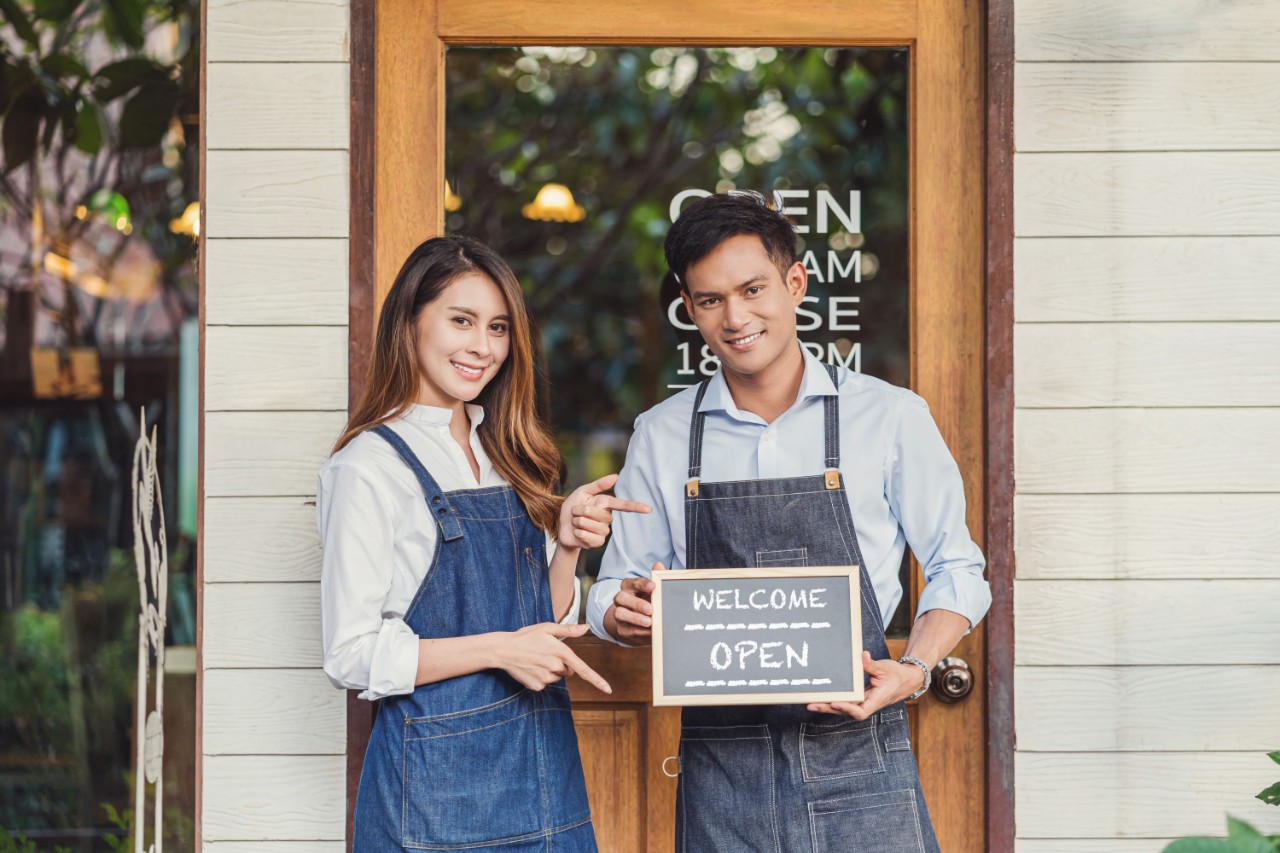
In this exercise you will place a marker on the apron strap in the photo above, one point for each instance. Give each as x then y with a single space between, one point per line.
830 429
437 503
695 432
831 421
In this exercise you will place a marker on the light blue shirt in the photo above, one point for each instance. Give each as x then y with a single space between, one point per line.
904 487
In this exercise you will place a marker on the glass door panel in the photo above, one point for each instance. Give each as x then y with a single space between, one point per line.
573 161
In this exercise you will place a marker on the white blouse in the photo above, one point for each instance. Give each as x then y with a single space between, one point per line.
379 538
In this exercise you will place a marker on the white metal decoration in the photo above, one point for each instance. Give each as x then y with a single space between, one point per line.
151 556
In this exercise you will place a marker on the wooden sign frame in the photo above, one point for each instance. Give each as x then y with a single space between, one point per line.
662 578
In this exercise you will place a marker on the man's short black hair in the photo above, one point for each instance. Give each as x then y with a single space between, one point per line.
710 221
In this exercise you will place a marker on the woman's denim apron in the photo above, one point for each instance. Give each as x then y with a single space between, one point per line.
478 760
780 778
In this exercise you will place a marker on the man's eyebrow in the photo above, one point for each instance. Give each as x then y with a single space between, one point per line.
699 294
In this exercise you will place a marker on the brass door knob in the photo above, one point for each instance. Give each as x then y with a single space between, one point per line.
952 680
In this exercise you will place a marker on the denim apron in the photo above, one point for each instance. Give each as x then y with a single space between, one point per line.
781 778
475 761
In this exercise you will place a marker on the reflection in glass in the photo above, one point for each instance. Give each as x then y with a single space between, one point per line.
98 303
629 135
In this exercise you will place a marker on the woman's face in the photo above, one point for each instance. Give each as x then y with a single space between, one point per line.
463 337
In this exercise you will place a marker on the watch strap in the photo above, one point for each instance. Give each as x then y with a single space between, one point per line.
924 667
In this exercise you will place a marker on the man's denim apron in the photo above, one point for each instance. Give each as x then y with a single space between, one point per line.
477 760
780 778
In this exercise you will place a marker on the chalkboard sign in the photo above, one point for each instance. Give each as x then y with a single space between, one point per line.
757 636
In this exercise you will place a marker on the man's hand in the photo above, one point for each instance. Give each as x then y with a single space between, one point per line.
630 618
890 682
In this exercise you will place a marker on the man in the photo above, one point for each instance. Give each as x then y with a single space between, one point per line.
790 462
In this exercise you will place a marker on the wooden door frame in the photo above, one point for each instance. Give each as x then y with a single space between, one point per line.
373 263
998 225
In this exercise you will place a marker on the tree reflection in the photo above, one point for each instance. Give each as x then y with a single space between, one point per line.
625 130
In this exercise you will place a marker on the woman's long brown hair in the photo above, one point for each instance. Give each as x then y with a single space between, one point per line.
516 441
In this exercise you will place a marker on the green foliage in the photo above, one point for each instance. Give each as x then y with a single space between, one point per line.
95 631
179 828
90 103
50 94
1241 837
1271 795
626 129
20 843
33 705
122 843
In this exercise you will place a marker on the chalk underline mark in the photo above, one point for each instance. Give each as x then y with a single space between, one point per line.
757 626
760 682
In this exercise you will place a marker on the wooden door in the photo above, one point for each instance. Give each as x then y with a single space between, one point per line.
624 739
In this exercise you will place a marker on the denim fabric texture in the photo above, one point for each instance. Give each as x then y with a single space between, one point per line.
780 778
477 761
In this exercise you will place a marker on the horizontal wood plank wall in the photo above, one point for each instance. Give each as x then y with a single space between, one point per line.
275 387
1147 435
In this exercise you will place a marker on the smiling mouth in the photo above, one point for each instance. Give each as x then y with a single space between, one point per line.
744 341
466 370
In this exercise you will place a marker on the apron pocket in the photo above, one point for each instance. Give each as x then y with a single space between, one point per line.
566 786
882 823
839 750
791 557
726 793
471 777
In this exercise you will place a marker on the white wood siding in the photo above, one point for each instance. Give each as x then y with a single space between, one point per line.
276 193
278 31
275 393
260 539
278 282
1136 106
1146 279
1147 536
1147 431
1146 30
1140 795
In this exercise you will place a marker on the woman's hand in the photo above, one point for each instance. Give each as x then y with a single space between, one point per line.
535 656
587 513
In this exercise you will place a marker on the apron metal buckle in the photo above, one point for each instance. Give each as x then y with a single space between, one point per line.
691 488
833 480
667 772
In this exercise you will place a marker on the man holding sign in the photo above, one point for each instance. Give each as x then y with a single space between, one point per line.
790 463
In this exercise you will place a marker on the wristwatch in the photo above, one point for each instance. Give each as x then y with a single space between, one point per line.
924 667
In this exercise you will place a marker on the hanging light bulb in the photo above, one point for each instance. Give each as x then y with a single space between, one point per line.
554 203
189 222
451 200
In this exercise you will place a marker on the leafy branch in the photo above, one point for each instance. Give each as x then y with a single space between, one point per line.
1241 837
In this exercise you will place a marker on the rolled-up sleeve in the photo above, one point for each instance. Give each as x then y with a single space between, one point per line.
363 649
638 540
926 493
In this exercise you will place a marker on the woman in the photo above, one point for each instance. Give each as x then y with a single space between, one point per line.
437 594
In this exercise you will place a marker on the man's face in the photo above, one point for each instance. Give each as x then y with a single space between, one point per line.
743 305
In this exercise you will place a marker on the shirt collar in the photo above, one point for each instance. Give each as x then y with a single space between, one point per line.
816 382
441 417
